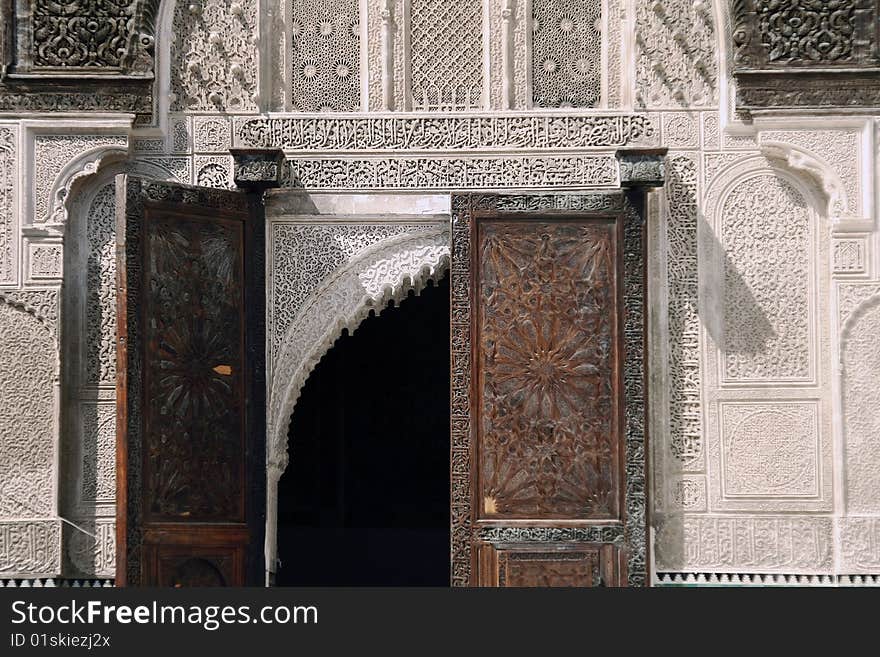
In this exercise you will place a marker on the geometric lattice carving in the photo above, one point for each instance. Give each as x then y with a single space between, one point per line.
213 56
685 379
8 176
100 340
770 449
566 53
769 244
27 412
446 39
675 54
325 37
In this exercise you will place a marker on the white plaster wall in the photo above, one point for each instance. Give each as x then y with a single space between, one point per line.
729 423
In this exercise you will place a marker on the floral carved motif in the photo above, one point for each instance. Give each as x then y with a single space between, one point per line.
547 344
82 33
98 453
768 235
54 178
27 410
807 30
101 288
861 387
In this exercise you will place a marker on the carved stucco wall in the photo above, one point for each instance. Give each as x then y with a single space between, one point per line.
88 448
753 410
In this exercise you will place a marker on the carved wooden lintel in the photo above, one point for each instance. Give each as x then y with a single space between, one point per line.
830 59
642 167
258 168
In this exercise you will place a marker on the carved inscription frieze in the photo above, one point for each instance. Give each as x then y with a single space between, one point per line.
8 176
444 133
455 173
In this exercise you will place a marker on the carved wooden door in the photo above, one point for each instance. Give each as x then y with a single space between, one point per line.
547 413
190 385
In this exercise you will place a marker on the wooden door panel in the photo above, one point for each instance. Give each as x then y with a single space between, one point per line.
547 427
190 445
194 366
549 565
548 432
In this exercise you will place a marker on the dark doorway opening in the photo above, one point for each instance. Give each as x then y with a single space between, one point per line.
365 499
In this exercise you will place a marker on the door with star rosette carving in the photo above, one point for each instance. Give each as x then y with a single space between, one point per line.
190 385
547 414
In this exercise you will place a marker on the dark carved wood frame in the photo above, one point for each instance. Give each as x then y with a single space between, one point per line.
140 194
466 533
802 83
78 89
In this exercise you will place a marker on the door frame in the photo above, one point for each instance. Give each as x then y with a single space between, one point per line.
468 533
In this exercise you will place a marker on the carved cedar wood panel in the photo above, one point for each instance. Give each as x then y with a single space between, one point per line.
188 368
193 368
548 469
548 429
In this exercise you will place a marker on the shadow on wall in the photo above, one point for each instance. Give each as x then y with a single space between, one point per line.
716 296
734 318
